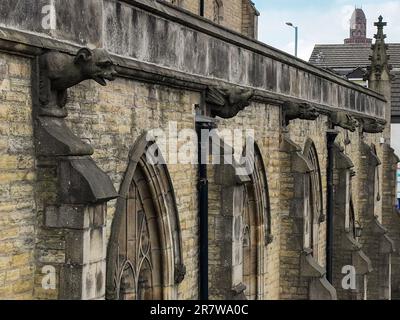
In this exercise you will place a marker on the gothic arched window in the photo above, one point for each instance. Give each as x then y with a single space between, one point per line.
313 200
144 254
256 228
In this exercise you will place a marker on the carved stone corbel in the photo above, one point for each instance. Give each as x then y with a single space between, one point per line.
304 111
60 71
226 103
344 120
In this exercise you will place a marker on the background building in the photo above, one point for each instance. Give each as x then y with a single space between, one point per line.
351 59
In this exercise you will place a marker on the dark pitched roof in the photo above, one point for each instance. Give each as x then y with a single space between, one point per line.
349 55
345 58
357 73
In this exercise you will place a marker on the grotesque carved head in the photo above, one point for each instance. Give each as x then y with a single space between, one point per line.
227 102
370 125
96 64
302 111
344 120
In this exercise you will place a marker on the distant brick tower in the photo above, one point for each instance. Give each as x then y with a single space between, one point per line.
358 28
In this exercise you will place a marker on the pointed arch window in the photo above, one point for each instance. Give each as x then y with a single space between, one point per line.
313 208
144 259
247 229
256 213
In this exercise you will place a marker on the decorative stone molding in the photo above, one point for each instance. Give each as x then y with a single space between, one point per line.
83 188
375 239
311 274
321 289
342 161
293 111
390 213
348 251
82 181
238 222
299 163
226 103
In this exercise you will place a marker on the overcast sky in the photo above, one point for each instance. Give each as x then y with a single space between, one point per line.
320 21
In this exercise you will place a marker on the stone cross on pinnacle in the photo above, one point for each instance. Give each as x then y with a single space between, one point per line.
380 24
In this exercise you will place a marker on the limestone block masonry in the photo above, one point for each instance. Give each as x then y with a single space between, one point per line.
85 215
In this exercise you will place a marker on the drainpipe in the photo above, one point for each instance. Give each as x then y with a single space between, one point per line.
331 136
203 127
202 8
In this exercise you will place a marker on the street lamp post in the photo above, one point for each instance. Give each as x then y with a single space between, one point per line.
296 32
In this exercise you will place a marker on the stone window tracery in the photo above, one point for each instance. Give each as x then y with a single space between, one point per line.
144 254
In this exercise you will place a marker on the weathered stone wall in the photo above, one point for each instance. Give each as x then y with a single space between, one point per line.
128 31
264 120
17 180
112 118
230 12
300 132
249 20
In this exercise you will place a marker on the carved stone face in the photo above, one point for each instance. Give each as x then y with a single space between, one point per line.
352 123
373 125
96 65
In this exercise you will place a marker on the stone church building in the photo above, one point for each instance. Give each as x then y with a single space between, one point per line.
85 213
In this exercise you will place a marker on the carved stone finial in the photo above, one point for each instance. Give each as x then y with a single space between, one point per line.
344 120
227 103
304 111
380 68
380 24
60 71
370 125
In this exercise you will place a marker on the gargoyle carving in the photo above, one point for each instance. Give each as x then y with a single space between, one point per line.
304 111
57 72
227 103
60 71
370 125
81 181
344 120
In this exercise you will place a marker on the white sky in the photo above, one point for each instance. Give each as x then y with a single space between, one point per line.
323 22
